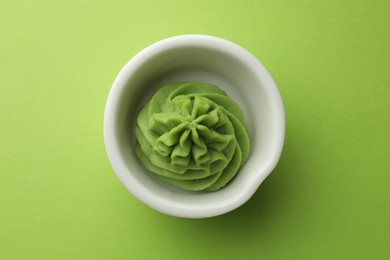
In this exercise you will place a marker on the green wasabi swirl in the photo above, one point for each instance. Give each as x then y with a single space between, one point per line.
192 135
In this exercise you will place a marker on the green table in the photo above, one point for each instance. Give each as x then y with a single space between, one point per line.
328 198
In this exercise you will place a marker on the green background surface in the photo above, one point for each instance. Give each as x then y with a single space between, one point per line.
328 198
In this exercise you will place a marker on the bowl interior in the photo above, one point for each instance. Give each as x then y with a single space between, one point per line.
233 73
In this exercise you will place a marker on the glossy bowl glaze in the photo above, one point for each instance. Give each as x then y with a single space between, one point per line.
195 58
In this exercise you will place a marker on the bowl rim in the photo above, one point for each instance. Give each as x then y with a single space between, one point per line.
119 85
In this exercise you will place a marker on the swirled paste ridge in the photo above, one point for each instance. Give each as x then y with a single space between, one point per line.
192 135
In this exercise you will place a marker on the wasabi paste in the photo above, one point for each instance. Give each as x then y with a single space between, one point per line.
192 135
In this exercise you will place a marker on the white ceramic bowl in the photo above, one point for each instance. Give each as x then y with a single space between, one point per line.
195 58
